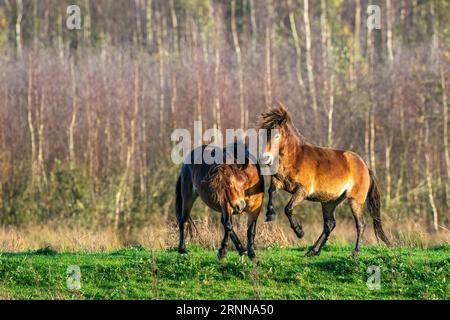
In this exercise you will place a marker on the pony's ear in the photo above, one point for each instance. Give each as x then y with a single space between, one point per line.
282 121
283 113
281 106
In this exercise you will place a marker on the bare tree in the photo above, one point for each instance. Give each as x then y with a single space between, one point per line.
244 111
298 52
19 7
309 65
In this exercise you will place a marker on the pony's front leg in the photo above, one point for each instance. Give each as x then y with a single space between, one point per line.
251 231
234 237
271 214
229 232
226 222
237 243
298 196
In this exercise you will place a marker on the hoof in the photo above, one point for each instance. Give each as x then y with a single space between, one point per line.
253 257
299 232
243 253
270 217
355 254
182 251
312 253
222 255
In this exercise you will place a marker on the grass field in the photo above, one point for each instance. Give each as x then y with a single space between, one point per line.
281 273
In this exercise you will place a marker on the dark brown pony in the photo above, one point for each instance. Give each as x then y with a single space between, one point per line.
319 174
226 188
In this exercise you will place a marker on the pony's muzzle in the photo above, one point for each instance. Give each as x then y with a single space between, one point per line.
266 159
240 206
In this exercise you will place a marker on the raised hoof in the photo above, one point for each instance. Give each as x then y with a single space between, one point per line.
312 253
299 232
270 217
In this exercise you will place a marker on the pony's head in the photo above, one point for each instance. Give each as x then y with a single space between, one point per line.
228 186
278 126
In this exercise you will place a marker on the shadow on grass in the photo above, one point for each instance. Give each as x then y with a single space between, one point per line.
44 251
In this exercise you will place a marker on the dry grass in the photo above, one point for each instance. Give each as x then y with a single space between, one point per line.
4 295
208 234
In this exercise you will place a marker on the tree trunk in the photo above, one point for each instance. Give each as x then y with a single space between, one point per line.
328 69
125 187
269 40
30 123
40 153
435 29
161 75
74 115
244 112
217 121
330 111
18 34
389 21
388 148
60 39
87 25
148 18
91 137
445 128
268 82
298 52
173 14
309 66
137 18
430 193
357 45
217 74
253 23
370 120
36 21
429 179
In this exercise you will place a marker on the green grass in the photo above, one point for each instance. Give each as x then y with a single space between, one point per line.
281 273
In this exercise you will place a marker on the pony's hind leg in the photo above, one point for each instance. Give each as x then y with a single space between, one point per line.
188 197
298 196
358 214
329 223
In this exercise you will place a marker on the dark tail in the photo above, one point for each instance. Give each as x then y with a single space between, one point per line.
374 206
179 208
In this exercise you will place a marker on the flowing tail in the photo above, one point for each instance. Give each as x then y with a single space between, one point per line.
179 209
374 206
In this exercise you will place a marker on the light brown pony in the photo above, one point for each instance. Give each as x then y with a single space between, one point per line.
319 174
226 188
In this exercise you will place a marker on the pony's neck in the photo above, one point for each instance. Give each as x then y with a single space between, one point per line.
296 138
294 144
